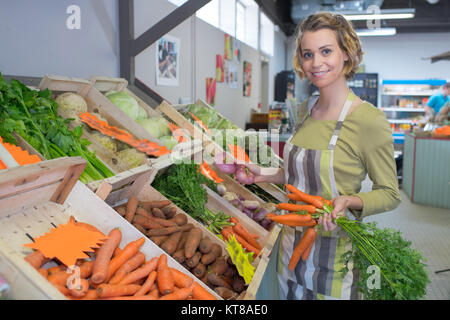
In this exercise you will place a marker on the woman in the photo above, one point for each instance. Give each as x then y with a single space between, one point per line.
337 142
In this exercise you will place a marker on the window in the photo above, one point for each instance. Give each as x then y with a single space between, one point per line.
267 35
210 13
240 21
227 17
178 2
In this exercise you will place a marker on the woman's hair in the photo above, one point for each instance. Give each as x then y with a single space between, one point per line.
346 36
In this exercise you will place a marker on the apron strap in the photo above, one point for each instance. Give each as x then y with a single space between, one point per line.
340 122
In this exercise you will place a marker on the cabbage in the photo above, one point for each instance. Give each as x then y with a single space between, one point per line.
168 141
127 104
209 117
106 141
131 157
70 105
157 127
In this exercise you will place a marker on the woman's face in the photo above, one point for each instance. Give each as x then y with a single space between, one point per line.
322 58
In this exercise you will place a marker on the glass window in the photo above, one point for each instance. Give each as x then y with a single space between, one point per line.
210 13
240 21
251 23
177 2
227 17
267 35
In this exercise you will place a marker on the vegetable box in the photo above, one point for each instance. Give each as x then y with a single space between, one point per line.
98 103
38 197
212 147
117 190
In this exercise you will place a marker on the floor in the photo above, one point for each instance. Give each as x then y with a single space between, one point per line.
428 229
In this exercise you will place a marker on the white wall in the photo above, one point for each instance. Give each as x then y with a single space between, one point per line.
35 41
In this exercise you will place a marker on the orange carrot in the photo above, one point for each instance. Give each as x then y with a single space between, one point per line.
86 269
131 208
132 264
140 272
154 293
180 294
307 239
43 272
164 276
305 197
241 231
59 278
56 269
81 290
200 293
62 289
228 231
130 250
306 253
291 218
104 254
36 259
180 279
298 198
110 290
92 294
296 207
147 284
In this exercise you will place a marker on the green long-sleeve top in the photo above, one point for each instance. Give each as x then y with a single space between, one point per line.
365 146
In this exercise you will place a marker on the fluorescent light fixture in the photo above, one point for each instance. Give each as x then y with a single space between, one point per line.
382 14
376 32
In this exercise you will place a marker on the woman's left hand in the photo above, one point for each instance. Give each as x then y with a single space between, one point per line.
340 204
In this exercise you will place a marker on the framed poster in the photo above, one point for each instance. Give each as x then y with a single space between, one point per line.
228 47
168 61
211 91
247 81
231 74
220 72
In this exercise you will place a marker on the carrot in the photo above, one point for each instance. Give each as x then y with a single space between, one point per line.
305 197
131 208
307 239
147 297
88 226
147 284
141 228
56 269
154 294
140 272
296 207
182 241
205 245
200 270
121 211
144 213
291 218
193 261
163 231
295 197
187 227
239 229
236 221
163 222
170 245
117 251
164 276
154 204
110 290
36 259
311 223
210 257
180 294
59 278
228 231
170 212
146 222
92 294
81 290
200 293
130 250
306 253
131 264
43 272
62 289
159 240
219 266
180 219
104 254
192 242
86 269
158 213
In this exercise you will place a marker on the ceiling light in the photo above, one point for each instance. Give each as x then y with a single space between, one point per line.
382 14
376 32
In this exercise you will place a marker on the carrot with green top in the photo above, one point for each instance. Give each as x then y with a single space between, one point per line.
305 197
239 229
307 240
228 231
291 218
296 207
130 250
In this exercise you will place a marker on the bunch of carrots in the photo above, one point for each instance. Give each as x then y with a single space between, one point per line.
113 273
243 236
302 215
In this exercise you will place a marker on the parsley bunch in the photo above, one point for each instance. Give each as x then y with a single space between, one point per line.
33 115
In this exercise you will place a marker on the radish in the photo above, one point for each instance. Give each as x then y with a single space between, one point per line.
244 176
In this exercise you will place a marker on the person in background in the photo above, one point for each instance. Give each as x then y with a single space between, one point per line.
443 114
338 141
437 101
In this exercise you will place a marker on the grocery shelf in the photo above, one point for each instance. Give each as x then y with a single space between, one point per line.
408 121
403 109
405 93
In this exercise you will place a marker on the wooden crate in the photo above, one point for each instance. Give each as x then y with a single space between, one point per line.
35 198
173 112
97 103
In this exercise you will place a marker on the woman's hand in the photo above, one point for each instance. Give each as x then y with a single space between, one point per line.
262 174
340 205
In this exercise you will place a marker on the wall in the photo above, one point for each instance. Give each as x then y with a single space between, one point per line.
35 40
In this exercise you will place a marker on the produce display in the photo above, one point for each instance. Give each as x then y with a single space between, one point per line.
404 275
185 243
34 116
114 273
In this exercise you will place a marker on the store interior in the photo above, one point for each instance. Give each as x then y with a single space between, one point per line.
236 56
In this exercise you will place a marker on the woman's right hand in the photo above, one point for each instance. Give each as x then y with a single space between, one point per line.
263 174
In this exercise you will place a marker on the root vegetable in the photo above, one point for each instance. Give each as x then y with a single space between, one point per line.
170 212
141 228
182 241
163 231
109 290
131 208
158 213
194 260
146 223
217 281
192 242
219 266
142 212
104 255
121 211
205 245
140 272
132 264
199 271
170 245
216 251
154 204
36 259
180 219
238 284
158 240
225 293
179 256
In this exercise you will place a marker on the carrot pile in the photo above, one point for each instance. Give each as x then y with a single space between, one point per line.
302 215
186 243
243 236
113 273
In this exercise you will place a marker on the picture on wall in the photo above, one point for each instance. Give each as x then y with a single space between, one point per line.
167 61
228 47
211 91
231 74
237 51
247 81
220 72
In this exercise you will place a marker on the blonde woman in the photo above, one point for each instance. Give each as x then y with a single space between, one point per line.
337 142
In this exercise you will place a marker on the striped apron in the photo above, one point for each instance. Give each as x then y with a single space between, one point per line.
319 277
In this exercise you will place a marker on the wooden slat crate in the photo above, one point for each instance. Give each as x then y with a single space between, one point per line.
173 112
38 197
